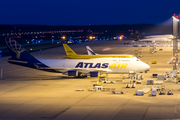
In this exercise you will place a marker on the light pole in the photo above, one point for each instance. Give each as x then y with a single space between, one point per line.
1 73
175 42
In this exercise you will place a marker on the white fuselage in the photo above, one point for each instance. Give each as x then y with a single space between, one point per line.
109 65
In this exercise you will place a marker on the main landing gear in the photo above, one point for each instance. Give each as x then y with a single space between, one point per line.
80 75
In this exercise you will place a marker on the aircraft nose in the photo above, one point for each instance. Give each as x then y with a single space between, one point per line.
146 66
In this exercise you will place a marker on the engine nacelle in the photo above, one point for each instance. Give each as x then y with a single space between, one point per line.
72 73
94 74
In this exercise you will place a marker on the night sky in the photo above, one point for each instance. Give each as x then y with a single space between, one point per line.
87 12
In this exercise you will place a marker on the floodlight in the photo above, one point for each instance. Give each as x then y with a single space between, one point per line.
175 18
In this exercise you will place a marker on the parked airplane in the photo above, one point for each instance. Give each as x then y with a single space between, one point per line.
91 52
72 55
74 67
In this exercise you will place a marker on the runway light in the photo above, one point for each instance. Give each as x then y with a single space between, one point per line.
63 37
114 37
69 42
120 38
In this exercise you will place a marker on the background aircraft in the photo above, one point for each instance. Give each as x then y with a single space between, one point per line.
90 51
72 55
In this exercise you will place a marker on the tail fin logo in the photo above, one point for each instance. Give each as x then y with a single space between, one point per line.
92 53
15 46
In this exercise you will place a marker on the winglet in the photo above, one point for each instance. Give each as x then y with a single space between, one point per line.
68 50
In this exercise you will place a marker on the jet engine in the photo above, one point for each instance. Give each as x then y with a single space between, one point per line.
94 74
70 73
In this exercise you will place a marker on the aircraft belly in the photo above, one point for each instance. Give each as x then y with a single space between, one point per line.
113 72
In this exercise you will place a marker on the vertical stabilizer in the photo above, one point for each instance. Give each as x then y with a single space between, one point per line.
68 50
90 51
19 55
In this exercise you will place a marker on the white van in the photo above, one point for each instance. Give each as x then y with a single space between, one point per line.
154 92
140 92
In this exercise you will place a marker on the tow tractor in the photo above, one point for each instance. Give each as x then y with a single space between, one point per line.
170 92
109 81
117 92
128 85
104 79
162 92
